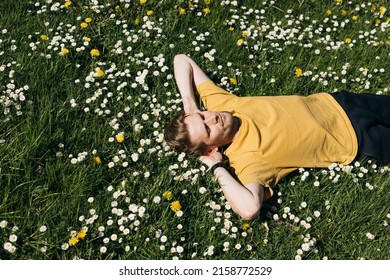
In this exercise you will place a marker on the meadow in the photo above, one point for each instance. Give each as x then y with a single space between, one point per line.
86 90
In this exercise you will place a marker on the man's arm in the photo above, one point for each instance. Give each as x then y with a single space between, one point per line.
188 74
245 200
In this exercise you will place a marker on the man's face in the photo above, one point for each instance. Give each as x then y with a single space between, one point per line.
215 129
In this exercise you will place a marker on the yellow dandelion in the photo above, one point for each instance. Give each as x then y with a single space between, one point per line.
149 13
73 241
100 72
373 8
377 21
328 12
83 25
167 195
120 137
339 1
245 226
88 20
240 42
343 13
81 234
245 33
233 81
44 37
67 4
95 52
136 21
382 10
143 1
207 2
348 40
388 42
298 72
175 206
190 5
388 19
206 10
87 39
117 8
64 51
97 160
355 18
231 28
182 11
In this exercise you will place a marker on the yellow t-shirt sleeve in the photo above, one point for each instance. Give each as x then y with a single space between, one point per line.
215 98
257 172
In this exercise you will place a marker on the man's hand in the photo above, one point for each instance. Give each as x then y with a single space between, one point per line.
212 158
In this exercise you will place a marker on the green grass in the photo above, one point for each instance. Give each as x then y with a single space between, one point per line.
40 186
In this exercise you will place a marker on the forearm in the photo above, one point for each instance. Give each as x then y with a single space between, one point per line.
242 200
184 80
187 75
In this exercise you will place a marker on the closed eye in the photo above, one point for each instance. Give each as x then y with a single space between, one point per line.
205 126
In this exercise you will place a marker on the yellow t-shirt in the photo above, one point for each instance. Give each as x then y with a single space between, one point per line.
279 134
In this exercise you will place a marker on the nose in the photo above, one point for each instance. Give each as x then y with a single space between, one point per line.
211 119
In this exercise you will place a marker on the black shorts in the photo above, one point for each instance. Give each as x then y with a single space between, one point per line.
370 117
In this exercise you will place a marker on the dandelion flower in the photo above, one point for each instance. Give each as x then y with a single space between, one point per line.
100 72
143 1
168 195
73 241
95 52
67 4
240 42
81 234
355 18
231 28
84 25
88 20
328 12
149 13
44 37
233 81
298 72
97 160
120 137
382 10
245 226
206 10
348 40
175 206
64 51
182 11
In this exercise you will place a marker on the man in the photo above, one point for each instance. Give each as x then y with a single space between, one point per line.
265 138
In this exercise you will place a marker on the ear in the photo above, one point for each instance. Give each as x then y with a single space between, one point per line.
211 151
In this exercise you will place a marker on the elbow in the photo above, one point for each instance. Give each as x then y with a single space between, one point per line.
179 57
250 213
